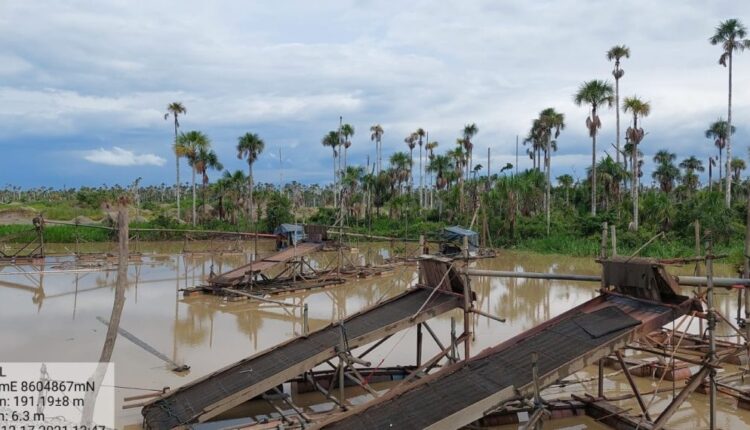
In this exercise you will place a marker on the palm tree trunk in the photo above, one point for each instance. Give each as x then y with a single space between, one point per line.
177 165
194 197
728 198
634 179
250 188
547 191
617 111
421 188
720 163
593 166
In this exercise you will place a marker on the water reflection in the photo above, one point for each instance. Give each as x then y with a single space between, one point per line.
52 316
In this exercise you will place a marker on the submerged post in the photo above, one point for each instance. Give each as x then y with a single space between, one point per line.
419 344
711 339
305 321
467 304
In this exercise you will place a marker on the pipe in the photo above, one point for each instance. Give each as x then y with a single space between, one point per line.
690 281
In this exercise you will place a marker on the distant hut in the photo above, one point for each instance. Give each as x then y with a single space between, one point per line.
289 235
452 240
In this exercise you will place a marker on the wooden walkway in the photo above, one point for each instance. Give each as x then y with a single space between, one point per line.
237 275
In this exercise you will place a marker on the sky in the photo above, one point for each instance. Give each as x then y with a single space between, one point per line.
84 85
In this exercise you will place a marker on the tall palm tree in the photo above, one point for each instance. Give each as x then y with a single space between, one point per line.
440 165
737 165
331 139
616 53
176 109
470 130
566 181
635 134
549 120
730 34
377 136
594 93
430 147
666 172
421 136
249 147
206 159
720 132
400 168
690 179
347 131
411 142
188 145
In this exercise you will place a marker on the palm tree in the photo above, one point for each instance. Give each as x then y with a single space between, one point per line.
176 109
206 159
377 136
440 165
188 145
611 175
400 168
737 165
690 179
411 142
331 139
430 147
549 120
566 181
470 130
730 34
594 93
616 53
720 132
421 136
249 146
666 173
635 135
347 131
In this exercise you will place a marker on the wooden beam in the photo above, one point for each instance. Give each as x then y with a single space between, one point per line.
633 387
677 401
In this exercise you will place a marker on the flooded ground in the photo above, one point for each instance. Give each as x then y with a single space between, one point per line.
52 316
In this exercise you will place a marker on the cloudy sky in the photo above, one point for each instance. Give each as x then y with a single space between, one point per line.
84 84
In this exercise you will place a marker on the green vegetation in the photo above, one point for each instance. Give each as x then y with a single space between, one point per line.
522 210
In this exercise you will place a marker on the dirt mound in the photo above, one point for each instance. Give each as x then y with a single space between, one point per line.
17 215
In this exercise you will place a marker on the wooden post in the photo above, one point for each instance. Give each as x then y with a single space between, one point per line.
711 339
419 344
600 386
746 274
467 305
613 234
633 387
603 247
535 378
689 388
305 321
453 340
697 225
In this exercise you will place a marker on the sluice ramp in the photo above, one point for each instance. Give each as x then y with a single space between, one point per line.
239 274
211 395
464 392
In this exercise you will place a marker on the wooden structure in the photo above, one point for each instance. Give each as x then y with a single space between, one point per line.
465 392
213 394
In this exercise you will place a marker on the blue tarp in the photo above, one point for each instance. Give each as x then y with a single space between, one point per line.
294 233
456 234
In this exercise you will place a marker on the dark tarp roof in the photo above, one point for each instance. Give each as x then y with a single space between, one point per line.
457 234
289 228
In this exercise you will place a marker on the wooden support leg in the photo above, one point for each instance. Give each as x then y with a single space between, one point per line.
675 405
629 377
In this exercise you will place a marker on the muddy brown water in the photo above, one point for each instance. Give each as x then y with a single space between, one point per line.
53 317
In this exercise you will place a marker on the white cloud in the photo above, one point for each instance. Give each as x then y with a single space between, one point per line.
122 157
